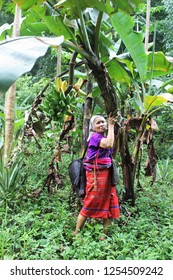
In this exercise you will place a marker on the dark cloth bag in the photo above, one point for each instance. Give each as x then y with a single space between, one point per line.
114 173
77 176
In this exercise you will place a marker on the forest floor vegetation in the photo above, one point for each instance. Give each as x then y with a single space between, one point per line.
42 228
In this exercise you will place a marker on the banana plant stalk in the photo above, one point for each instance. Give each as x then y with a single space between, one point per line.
10 97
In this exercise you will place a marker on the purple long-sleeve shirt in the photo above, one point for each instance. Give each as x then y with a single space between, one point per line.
94 146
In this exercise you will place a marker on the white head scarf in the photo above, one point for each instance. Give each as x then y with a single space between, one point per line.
91 125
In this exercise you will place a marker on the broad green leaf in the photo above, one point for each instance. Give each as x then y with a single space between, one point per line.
126 5
18 124
117 72
27 4
170 90
33 25
153 101
69 6
161 65
106 40
34 29
132 40
54 23
18 56
1 3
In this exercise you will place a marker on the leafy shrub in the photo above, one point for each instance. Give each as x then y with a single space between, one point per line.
9 178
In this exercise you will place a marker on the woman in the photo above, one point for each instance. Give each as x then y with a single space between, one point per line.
101 200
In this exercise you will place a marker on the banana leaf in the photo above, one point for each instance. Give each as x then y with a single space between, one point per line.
132 40
18 56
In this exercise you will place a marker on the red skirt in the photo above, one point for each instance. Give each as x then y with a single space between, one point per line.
101 200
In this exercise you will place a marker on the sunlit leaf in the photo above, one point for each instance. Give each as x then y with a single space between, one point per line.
126 5
34 29
170 90
162 66
26 4
1 2
153 101
69 6
117 71
18 56
54 23
132 40
106 6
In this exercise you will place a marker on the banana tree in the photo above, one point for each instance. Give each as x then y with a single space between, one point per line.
10 95
69 19
93 30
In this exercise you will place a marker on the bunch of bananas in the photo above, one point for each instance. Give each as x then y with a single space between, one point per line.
56 104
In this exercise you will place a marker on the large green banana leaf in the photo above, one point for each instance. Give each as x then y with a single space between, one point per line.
121 68
37 22
55 23
153 101
117 71
132 40
70 6
18 56
27 4
127 5
161 66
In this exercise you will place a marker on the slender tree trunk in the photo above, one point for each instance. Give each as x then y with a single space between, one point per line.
147 25
10 97
87 113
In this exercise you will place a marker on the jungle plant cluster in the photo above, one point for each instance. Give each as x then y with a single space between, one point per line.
41 228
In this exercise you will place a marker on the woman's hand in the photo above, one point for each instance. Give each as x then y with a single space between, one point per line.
108 142
112 119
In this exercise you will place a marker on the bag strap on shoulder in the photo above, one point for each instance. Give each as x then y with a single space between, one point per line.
85 151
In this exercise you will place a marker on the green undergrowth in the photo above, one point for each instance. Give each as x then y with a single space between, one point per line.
41 228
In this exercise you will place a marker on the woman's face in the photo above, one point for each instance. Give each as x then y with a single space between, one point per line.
100 125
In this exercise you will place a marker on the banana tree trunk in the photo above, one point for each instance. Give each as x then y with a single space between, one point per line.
127 167
9 120
10 97
106 87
